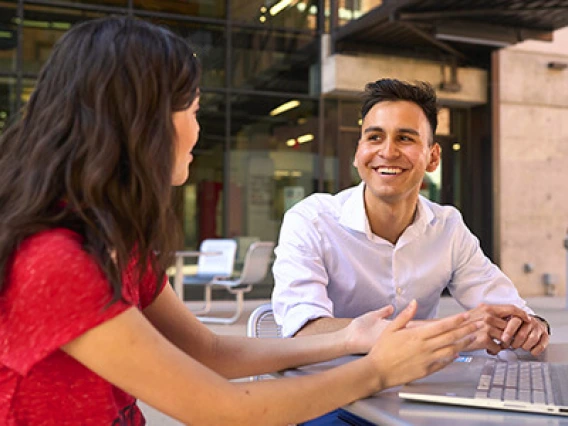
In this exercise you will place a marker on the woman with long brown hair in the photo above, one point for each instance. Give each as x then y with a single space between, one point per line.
88 323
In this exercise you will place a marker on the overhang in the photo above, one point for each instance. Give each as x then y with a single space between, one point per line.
464 30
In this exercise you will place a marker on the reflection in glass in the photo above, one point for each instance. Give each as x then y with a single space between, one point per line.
350 10
8 37
273 162
275 61
301 14
42 27
209 43
115 3
203 191
201 8
8 101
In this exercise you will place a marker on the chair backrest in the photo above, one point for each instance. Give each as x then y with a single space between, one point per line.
257 262
261 323
243 244
217 264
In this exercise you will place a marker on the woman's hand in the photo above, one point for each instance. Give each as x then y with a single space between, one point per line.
404 354
362 333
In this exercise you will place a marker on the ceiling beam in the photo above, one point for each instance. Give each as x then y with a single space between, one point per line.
372 18
431 39
480 30
468 13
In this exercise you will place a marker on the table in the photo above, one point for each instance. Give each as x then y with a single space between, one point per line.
180 255
386 408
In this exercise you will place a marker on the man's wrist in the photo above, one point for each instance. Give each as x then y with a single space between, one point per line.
542 320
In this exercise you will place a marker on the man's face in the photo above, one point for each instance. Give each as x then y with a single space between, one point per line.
394 151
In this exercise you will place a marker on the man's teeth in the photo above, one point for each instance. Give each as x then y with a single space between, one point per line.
389 170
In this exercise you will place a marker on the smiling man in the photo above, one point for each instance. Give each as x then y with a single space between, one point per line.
381 243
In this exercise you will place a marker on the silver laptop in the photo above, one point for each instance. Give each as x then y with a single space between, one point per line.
516 381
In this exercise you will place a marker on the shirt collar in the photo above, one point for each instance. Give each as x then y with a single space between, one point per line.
354 216
353 213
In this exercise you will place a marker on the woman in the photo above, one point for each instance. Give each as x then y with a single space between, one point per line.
87 322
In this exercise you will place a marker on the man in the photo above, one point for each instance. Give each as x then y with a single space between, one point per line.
381 243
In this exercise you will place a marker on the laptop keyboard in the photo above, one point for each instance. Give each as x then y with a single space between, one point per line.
526 381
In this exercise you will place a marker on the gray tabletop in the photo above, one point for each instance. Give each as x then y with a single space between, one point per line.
386 408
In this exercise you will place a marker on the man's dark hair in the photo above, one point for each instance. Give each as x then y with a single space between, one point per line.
388 89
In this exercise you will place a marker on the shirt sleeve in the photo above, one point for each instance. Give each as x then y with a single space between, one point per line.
148 287
300 276
475 278
54 292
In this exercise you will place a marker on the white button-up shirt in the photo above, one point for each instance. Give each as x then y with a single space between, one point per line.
330 264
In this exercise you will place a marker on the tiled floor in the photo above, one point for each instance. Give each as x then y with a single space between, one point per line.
551 308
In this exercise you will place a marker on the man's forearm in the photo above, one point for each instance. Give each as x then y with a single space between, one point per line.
323 325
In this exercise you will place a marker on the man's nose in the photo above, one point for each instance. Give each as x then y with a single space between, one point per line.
388 148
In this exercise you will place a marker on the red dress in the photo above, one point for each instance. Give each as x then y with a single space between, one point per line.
55 292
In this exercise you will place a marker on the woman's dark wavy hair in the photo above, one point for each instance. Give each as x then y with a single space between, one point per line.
94 150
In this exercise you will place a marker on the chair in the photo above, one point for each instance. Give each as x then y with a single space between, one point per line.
243 244
255 268
216 260
261 324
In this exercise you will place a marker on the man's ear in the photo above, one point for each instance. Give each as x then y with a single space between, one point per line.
435 154
355 162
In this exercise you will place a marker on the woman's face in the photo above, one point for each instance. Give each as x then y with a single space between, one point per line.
187 133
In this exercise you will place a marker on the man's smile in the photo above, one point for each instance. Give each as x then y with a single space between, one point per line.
388 171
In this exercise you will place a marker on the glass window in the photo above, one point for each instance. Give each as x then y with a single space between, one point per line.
107 3
42 27
350 10
8 100
201 8
275 61
301 14
203 191
8 36
209 42
274 161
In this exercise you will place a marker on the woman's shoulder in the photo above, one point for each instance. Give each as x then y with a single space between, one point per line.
52 239
59 245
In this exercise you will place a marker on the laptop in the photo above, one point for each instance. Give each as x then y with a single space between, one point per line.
514 380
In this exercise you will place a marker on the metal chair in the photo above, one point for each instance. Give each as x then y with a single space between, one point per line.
261 324
216 260
255 268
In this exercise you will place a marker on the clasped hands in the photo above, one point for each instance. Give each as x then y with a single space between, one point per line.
507 327
499 327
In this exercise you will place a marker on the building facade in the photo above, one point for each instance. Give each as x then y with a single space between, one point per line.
280 107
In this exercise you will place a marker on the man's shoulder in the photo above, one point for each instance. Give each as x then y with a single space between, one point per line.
319 204
444 214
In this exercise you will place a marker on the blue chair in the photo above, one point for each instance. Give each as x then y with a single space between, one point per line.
216 260
255 267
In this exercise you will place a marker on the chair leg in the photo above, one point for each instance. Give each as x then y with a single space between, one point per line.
231 320
207 302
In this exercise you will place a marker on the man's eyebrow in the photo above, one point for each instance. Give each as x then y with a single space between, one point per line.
373 129
399 130
408 130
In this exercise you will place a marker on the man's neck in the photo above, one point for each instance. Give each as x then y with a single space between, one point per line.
389 220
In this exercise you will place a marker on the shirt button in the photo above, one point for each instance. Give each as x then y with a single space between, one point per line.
399 291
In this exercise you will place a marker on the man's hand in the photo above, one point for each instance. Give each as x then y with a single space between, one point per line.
532 335
362 333
497 323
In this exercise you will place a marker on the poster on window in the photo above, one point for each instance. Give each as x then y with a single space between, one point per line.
292 194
